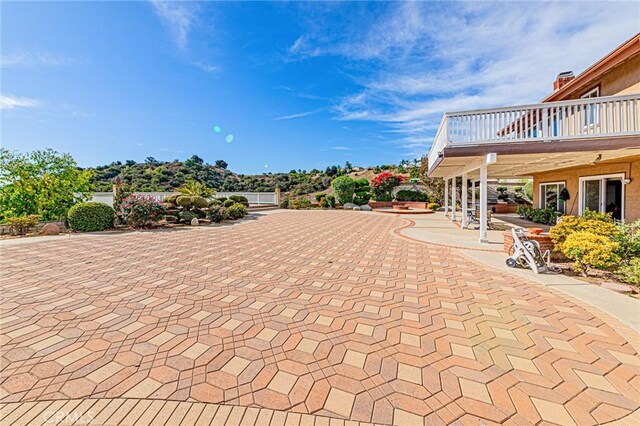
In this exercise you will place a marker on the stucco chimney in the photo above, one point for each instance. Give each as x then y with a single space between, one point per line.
562 79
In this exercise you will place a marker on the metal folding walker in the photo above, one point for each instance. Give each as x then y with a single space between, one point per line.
527 254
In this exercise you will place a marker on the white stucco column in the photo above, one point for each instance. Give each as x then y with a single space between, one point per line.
464 201
483 205
453 199
473 194
446 197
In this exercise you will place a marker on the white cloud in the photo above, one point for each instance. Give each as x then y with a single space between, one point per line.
206 67
11 102
415 61
299 115
179 18
34 59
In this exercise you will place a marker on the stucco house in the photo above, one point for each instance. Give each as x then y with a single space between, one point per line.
580 144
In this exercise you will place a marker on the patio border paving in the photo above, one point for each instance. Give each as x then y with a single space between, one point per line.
134 411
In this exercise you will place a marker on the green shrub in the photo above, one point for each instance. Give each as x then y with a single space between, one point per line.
322 203
243 200
319 196
214 203
630 272
184 201
362 192
171 218
545 216
239 199
22 224
284 202
216 213
171 199
343 188
411 195
199 202
221 199
589 250
229 203
628 237
294 204
236 211
187 216
305 203
139 211
331 200
91 216
433 206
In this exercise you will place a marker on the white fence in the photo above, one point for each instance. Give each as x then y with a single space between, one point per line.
262 198
576 119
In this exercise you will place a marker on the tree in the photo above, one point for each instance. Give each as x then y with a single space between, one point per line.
45 183
194 161
152 161
348 167
222 164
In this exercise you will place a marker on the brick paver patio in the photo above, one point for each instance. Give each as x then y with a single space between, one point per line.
329 313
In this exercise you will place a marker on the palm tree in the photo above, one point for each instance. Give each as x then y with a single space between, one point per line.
193 187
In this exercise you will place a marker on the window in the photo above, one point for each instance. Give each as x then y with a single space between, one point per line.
591 111
549 196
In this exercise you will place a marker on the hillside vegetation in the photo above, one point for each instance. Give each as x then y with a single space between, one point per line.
154 175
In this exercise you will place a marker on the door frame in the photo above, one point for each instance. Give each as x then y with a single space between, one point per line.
602 179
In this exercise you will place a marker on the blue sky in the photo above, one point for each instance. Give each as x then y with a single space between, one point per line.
297 84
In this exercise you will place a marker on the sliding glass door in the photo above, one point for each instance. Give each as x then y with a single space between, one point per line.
604 194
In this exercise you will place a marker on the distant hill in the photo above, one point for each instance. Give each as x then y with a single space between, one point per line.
154 175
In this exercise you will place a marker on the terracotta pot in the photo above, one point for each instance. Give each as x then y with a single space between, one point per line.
535 231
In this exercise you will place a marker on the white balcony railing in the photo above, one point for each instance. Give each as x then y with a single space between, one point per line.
577 119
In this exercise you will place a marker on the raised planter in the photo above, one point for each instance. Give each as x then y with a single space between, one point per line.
401 207
410 204
543 239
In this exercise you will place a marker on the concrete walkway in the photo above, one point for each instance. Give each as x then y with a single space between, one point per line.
438 229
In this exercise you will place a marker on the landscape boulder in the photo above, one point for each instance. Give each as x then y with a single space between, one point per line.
50 229
349 206
366 208
195 222
356 208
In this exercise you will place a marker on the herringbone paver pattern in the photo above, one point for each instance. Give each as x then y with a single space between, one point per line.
318 312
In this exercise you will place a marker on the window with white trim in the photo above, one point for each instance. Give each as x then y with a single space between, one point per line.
550 196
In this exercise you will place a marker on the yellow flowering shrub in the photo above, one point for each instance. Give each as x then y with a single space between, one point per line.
589 250
572 224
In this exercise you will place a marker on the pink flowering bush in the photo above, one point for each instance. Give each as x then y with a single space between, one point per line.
139 211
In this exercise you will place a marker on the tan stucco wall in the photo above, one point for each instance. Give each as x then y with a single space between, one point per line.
631 169
621 80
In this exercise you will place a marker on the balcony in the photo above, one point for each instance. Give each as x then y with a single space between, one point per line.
581 119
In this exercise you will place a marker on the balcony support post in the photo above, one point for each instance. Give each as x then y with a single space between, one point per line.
446 196
473 194
483 205
453 199
465 202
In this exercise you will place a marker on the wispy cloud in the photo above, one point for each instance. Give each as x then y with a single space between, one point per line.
178 16
413 61
299 115
12 102
34 59
209 68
